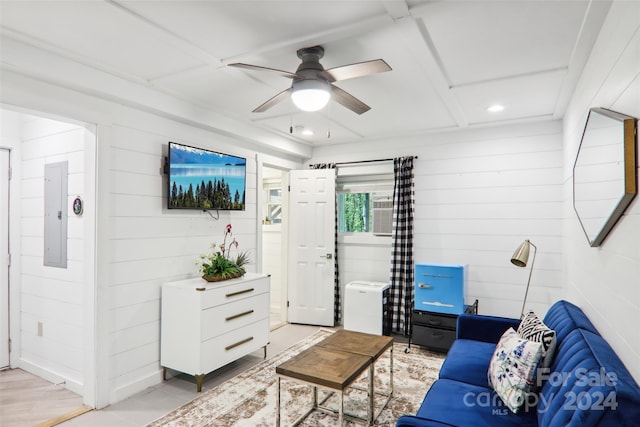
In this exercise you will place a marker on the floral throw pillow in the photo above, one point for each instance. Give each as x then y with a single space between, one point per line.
532 328
513 367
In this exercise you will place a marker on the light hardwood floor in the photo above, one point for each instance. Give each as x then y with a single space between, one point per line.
27 400
144 407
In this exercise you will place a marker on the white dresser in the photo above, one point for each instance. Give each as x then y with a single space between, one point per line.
206 325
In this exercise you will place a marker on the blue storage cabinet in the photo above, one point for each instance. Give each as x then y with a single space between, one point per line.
440 288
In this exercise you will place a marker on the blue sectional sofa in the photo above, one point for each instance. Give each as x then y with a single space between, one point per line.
586 385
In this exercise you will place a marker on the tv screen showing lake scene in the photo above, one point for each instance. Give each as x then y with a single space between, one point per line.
204 179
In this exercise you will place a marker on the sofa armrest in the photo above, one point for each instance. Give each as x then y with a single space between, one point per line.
484 328
413 421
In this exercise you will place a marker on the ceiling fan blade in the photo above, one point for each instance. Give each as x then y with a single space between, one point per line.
359 69
273 101
349 101
258 68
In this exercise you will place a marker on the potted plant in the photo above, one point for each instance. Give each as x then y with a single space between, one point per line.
218 265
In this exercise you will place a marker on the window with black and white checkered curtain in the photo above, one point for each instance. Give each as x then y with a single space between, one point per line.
401 280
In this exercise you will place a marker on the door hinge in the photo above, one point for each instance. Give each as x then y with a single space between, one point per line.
10 173
289 188
287 304
9 345
8 260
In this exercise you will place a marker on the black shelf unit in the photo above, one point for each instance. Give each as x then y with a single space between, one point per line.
436 331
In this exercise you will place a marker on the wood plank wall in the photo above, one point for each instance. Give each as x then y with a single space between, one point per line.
479 194
51 297
149 244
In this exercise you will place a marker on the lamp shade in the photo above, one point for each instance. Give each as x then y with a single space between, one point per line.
520 258
521 255
310 95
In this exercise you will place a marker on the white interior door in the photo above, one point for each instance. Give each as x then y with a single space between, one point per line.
312 246
4 258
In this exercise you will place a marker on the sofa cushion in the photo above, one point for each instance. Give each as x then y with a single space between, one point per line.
563 317
532 328
468 361
513 368
483 328
413 421
461 404
588 386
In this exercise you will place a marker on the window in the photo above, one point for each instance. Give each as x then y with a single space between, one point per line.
274 205
357 212
365 204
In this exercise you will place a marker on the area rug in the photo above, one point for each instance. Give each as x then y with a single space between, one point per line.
249 399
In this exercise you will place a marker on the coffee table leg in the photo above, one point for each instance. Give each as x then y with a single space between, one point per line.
370 410
278 405
391 370
341 409
315 397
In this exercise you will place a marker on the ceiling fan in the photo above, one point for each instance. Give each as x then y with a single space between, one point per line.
312 85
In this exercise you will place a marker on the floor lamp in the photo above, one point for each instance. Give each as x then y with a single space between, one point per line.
520 258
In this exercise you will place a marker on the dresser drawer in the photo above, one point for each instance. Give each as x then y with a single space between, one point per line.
226 348
436 320
223 318
215 295
439 339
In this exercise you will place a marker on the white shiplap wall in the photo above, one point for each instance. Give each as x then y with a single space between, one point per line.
51 296
139 244
605 281
149 244
479 194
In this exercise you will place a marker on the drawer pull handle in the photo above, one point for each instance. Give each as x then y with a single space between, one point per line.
425 286
235 316
435 322
239 343
234 294
444 276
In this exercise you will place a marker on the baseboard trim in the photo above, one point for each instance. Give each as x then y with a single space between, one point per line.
51 376
128 390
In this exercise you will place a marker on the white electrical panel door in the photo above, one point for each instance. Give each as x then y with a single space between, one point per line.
55 214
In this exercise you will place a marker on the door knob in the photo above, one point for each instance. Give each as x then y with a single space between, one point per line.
327 256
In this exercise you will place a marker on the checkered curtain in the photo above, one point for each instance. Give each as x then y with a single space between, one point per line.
337 304
401 280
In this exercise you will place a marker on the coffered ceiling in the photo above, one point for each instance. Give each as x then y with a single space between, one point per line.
450 60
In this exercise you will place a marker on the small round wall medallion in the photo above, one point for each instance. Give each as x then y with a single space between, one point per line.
77 206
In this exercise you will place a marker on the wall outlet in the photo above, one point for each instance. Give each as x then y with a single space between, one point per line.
39 329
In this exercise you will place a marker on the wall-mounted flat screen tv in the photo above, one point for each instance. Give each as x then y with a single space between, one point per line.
204 179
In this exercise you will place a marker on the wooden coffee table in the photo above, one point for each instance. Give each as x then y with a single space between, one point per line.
334 364
369 345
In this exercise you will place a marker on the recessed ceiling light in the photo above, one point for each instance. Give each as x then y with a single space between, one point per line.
495 108
304 131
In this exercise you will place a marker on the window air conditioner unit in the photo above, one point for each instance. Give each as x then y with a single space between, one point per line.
382 215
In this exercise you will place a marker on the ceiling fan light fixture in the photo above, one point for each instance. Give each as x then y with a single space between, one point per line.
310 95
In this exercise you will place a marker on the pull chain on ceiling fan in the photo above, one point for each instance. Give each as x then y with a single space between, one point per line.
312 85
